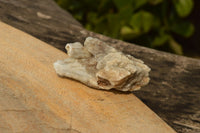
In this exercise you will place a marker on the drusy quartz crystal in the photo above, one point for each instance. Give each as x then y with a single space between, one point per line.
98 65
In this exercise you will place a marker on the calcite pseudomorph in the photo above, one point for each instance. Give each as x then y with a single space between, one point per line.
101 66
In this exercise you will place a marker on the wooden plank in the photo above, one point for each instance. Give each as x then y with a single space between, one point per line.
173 92
34 99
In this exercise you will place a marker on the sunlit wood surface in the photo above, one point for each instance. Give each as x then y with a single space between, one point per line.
34 99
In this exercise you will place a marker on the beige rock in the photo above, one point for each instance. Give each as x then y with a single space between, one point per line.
101 66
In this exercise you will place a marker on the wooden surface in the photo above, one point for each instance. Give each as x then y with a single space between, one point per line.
34 99
174 89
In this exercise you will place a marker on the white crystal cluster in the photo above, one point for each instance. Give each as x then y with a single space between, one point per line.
101 66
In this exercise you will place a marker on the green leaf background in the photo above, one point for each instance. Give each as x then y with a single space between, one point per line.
152 23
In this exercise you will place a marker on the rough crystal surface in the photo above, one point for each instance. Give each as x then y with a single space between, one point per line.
101 66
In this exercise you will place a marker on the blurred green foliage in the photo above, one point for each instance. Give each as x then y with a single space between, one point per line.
152 23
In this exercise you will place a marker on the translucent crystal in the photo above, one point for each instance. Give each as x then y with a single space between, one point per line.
101 66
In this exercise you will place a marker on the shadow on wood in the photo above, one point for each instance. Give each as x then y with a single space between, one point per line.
174 90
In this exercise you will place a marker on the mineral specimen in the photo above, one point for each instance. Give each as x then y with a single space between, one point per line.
101 66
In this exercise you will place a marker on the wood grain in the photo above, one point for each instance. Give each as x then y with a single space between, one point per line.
34 99
174 90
